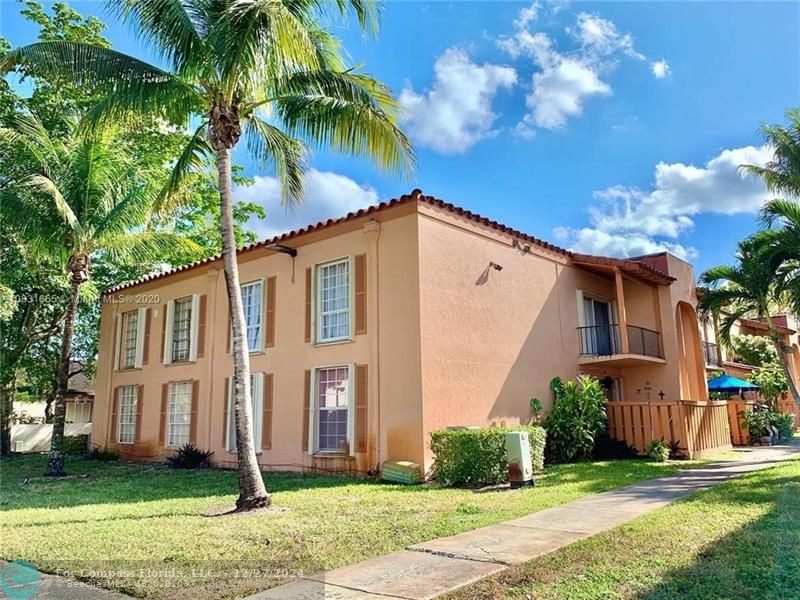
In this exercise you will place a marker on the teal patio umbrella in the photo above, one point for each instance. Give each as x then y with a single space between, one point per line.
728 384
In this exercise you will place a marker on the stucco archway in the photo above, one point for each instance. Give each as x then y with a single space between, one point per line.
690 356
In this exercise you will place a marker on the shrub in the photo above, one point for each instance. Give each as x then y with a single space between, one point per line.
607 448
76 444
771 383
103 454
759 420
675 452
189 456
578 418
478 456
784 423
658 451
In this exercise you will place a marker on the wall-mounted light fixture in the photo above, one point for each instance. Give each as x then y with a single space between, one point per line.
495 266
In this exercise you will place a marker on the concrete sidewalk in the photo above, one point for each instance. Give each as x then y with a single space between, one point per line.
433 568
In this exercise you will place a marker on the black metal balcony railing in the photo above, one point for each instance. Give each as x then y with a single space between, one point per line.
710 353
604 340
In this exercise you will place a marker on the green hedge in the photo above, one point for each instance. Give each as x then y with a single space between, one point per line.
478 456
76 444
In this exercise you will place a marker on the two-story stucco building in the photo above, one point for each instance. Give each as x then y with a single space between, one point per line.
370 331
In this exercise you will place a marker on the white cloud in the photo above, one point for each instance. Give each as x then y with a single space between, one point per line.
566 80
456 112
527 15
660 69
327 195
629 221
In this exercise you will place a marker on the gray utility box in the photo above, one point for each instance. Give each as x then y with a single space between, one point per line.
518 451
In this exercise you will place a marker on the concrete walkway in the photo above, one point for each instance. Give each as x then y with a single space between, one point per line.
432 568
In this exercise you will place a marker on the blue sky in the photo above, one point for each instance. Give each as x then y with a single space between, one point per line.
612 128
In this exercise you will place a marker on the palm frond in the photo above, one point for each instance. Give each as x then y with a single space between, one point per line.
173 193
285 154
146 246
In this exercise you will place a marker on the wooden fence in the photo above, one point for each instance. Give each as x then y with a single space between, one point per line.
739 435
699 428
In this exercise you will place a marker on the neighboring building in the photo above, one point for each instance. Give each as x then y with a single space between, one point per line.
79 401
719 357
370 331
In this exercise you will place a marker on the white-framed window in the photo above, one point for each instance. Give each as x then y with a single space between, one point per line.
257 404
126 419
181 329
179 413
180 341
333 293
253 303
332 416
79 411
131 326
129 351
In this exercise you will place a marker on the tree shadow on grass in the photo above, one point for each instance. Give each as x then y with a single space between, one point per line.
759 561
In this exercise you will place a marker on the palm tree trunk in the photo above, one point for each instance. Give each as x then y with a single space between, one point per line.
78 266
252 492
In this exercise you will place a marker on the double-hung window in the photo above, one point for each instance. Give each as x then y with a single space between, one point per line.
257 405
126 420
253 302
179 415
131 327
333 301
129 351
181 329
332 391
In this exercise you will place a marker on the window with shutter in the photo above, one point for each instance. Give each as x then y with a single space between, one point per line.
257 406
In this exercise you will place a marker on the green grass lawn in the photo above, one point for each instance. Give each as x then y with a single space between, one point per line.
126 516
737 541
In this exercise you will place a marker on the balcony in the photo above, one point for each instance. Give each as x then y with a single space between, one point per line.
606 345
710 354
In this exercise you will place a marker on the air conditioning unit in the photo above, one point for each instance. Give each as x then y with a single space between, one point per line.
19 445
518 452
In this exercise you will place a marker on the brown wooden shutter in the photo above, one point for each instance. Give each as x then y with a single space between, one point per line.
266 417
163 330
308 305
270 337
306 408
148 314
114 412
193 415
162 430
225 415
201 326
137 437
361 293
115 351
361 408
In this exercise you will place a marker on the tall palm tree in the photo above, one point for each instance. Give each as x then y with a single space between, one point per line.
70 198
264 69
748 288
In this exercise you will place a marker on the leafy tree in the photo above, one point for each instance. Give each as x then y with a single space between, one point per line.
754 350
747 288
265 70
79 196
771 382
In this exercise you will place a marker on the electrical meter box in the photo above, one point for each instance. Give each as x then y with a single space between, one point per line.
518 451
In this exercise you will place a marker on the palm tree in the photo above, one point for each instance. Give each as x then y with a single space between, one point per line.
264 69
782 174
748 288
73 197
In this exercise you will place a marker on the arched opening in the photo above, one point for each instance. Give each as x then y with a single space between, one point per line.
690 355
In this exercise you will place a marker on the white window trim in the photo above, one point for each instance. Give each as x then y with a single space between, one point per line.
257 404
315 308
261 319
169 401
119 413
313 413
